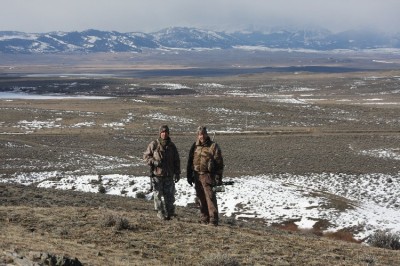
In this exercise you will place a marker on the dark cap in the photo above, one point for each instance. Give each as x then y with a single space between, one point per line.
164 128
201 129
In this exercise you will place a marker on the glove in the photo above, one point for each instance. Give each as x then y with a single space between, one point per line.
190 180
176 178
157 163
218 180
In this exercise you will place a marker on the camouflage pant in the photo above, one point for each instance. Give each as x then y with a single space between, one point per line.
164 195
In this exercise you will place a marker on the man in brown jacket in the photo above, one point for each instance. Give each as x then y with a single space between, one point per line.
204 169
163 158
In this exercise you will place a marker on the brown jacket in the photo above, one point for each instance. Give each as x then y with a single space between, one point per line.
167 156
205 158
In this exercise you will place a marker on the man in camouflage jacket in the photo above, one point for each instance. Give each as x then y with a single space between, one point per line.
204 169
163 158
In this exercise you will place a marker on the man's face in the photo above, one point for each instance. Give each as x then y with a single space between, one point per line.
202 137
164 134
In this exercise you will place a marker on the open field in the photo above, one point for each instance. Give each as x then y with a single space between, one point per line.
332 137
277 119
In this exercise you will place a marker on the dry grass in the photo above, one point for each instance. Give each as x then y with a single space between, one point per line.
110 230
343 235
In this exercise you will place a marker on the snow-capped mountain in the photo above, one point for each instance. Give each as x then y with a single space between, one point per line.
179 37
90 41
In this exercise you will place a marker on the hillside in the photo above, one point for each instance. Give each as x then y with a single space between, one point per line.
79 225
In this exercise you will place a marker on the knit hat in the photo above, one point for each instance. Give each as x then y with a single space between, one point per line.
201 129
164 128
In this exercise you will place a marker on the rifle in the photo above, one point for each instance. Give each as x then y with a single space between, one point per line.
151 175
221 188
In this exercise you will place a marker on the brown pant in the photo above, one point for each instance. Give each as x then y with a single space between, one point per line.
207 198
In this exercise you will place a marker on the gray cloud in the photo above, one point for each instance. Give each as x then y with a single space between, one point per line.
152 15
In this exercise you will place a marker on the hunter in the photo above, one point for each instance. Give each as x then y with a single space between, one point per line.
163 158
205 168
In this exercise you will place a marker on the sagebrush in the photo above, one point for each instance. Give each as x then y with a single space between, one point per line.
385 239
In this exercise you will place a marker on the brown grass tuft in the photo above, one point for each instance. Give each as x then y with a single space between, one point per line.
342 235
219 260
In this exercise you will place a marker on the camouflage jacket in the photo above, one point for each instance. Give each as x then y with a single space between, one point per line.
167 157
205 158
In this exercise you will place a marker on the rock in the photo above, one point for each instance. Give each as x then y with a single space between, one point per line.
35 258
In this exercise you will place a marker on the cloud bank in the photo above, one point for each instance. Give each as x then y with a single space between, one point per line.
224 15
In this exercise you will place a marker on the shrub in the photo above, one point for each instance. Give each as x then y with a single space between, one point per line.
219 260
385 239
108 221
119 223
140 195
102 189
231 221
122 224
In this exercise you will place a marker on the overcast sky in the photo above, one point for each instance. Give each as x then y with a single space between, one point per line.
153 15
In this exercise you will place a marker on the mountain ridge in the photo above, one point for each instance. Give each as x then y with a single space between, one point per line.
93 41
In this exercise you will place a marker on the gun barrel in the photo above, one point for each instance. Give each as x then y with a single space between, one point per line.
221 188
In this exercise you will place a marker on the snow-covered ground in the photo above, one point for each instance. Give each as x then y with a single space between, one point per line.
369 202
